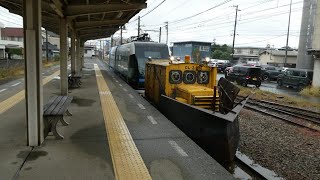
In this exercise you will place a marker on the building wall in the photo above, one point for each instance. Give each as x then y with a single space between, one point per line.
54 41
267 58
183 49
247 51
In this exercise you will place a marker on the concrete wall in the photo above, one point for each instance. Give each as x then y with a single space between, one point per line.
316 46
305 61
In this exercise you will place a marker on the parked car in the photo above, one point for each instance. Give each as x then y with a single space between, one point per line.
270 72
222 66
296 78
245 75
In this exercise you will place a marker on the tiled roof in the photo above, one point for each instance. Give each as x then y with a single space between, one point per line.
280 52
11 32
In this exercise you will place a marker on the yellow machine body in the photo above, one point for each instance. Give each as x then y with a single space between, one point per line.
186 82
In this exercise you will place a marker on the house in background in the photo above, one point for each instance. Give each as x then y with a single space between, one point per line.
276 57
10 38
53 50
247 54
53 38
197 50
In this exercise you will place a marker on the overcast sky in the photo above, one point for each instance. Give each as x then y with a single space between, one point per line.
260 22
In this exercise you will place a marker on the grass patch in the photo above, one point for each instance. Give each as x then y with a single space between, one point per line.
11 72
50 63
281 99
18 71
311 91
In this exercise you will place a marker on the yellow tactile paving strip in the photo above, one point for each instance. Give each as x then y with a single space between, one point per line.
15 99
127 162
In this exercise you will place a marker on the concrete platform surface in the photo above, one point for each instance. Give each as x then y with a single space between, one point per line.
84 152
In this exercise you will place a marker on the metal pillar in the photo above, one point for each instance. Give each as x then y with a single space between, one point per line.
63 56
33 71
73 52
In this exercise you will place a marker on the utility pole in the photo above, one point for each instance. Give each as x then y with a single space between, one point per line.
160 35
286 55
47 52
121 35
138 26
101 50
234 32
167 28
112 41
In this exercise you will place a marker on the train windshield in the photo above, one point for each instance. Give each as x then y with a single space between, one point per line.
145 50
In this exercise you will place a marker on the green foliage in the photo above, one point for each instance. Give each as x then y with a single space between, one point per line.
56 58
17 51
221 51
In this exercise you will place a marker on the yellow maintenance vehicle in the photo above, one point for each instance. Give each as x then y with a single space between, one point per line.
188 95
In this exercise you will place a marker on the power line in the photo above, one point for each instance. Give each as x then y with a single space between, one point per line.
153 9
189 17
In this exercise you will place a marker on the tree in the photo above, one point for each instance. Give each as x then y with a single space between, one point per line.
221 51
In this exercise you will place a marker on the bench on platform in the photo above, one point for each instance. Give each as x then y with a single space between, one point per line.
53 112
74 80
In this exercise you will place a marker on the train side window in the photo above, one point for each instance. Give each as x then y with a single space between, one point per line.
189 77
203 77
175 77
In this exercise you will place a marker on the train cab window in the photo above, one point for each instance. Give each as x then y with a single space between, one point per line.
189 77
175 77
203 77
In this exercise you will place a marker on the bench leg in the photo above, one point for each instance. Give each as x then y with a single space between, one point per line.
47 126
63 122
54 128
68 112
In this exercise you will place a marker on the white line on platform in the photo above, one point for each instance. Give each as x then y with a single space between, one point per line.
2 90
117 81
130 95
152 120
125 89
141 106
179 150
16 84
120 85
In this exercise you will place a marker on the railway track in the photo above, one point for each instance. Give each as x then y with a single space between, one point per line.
298 116
250 168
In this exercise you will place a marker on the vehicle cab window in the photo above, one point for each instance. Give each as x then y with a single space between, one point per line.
296 73
303 74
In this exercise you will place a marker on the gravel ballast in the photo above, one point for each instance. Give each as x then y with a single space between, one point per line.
291 151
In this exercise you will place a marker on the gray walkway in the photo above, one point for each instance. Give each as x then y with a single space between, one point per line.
84 153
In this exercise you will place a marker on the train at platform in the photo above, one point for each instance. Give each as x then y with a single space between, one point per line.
187 93
128 60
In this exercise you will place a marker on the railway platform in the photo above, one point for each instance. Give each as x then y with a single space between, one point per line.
114 133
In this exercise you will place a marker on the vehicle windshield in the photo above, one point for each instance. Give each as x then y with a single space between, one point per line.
155 51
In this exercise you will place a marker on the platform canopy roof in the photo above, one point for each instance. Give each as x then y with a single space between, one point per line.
92 19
